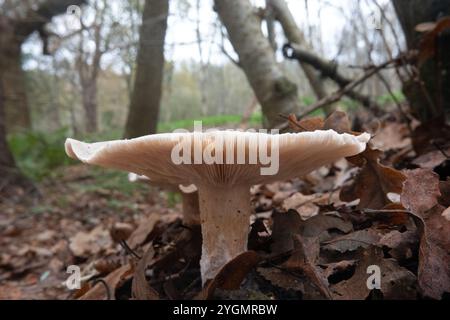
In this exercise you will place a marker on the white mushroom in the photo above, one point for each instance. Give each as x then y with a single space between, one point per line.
189 197
224 188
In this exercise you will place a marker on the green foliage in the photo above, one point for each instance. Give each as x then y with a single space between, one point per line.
211 121
307 100
173 198
388 99
37 153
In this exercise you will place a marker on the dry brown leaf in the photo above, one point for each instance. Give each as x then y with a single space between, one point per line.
420 190
391 135
282 279
303 260
144 229
446 214
303 204
338 121
431 136
337 267
400 243
373 183
319 224
396 282
140 288
444 187
434 251
285 225
352 241
432 159
307 124
232 274
113 281
84 244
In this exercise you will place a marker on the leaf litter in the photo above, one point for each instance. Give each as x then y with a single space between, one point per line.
312 237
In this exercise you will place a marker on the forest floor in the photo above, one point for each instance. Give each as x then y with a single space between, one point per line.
311 238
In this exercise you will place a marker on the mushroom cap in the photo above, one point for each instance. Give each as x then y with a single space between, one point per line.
133 177
298 154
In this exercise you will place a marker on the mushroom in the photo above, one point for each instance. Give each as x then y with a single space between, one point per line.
189 197
223 165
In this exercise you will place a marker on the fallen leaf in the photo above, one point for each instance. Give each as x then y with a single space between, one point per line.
232 274
391 135
444 187
140 288
84 244
307 124
446 214
282 279
112 280
434 252
338 121
319 224
285 225
420 190
334 268
142 232
431 159
396 282
353 241
303 204
400 244
303 260
373 182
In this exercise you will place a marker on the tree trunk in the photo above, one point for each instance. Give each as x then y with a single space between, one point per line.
276 94
10 176
146 96
295 36
89 97
12 34
12 79
431 99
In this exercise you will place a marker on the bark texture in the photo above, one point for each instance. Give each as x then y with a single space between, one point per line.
295 36
276 94
435 73
146 96
13 32
10 176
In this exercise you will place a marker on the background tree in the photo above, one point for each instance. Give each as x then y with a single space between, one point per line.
23 19
274 91
296 36
430 96
146 97
94 40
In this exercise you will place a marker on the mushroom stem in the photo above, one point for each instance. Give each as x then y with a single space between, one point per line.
225 219
191 214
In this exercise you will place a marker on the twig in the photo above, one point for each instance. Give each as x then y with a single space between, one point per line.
328 69
105 285
444 153
127 248
338 94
